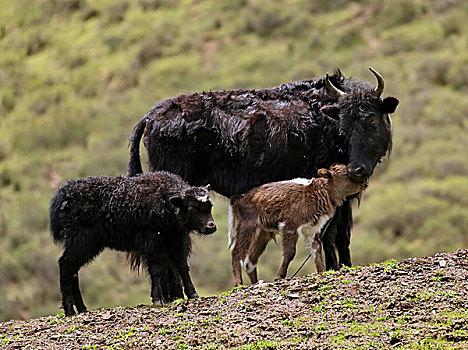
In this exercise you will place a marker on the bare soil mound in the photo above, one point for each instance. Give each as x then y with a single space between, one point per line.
418 303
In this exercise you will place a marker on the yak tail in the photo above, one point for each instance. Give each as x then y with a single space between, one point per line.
134 261
57 231
134 165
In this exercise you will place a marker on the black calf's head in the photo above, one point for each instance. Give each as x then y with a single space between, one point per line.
365 123
195 210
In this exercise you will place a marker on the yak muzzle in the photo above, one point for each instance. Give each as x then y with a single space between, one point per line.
358 173
209 228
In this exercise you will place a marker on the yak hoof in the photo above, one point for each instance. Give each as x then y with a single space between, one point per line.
70 313
193 296
158 302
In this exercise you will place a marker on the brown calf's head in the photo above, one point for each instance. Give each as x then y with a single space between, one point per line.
341 180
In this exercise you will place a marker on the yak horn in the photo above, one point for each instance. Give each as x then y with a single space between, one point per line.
333 89
380 82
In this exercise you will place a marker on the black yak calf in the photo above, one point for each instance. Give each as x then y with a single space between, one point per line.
150 216
290 208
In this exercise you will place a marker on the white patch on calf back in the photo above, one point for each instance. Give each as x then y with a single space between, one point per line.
299 180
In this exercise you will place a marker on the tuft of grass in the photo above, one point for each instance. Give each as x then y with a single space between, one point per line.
262 344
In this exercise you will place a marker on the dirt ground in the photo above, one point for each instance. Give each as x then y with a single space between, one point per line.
417 303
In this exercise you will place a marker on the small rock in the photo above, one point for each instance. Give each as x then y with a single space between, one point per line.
293 296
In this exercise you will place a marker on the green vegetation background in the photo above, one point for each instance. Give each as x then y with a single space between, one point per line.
75 76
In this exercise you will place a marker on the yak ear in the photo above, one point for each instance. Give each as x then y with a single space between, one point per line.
389 104
176 201
331 112
324 173
208 187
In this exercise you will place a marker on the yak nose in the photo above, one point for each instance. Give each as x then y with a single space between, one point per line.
210 227
358 172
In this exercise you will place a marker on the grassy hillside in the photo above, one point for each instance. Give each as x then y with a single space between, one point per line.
76 75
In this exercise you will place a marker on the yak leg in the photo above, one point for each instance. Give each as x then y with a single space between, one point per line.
77 298
172 287
236 267
328 241
245 235
255 251
183 269
317 253
289 251
189 288
313 244
154 270
69 263
67 270
343 235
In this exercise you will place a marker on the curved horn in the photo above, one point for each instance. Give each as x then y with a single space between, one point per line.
380 82
333 89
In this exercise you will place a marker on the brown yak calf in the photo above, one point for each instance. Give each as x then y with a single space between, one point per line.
293 207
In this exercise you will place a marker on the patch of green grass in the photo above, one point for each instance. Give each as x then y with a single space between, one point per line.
186 325
178 301
262 344
383 318
287 323
325 288
4 340
212 346
347 281
439 276
348 303
431 343
356 329
427 295
72 329
404 319
319 307
232 291
53 321
182 345
126 335
352 268
164 331
390 264
322 327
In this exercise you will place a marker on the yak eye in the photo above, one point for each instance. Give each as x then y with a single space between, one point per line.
374 124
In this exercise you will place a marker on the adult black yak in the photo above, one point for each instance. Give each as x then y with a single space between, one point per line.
238 139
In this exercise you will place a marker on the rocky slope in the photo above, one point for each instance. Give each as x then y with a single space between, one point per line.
413 304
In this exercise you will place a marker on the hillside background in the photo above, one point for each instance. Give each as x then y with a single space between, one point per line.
75 76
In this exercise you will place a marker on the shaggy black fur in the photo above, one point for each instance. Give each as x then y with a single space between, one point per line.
150 215
238 139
